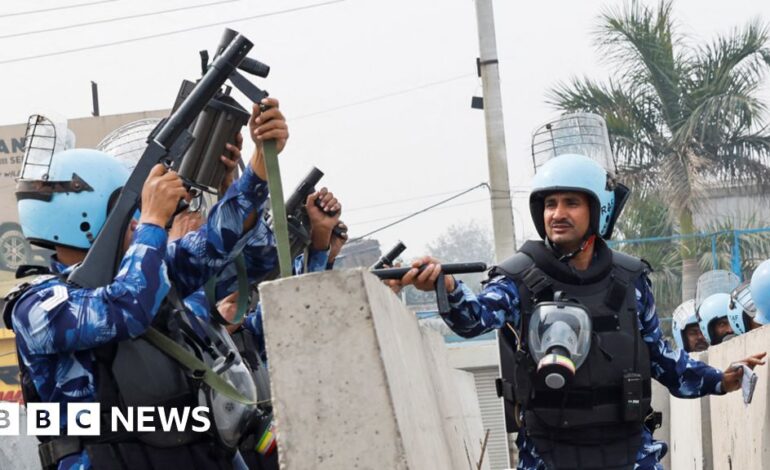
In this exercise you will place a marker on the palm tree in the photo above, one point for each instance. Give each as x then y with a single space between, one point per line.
682 118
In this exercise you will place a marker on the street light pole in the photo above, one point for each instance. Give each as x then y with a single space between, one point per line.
502 208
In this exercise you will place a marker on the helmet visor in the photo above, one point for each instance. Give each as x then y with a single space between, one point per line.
575 133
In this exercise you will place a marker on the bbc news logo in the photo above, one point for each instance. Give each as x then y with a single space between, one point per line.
83 419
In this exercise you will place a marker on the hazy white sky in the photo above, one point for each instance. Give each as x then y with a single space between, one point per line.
377 93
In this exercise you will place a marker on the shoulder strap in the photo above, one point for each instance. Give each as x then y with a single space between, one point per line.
630 264
513 266
199 369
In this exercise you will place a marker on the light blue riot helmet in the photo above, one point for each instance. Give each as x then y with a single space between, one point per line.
68 204
712 309
683 316
743 299
572 172
760 288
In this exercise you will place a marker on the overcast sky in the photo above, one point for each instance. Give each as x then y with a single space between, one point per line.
377 93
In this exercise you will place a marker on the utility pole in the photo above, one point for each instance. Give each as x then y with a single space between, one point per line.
502 207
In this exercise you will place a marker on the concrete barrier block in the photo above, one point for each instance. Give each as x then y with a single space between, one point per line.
350 379
19 452
457 400
690 431
660 402
471 415
740 434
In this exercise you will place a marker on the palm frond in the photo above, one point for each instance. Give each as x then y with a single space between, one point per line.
641 41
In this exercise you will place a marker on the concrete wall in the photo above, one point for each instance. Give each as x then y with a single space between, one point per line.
19 452
354 381
740 434
455 391
690 442
660 402
721 432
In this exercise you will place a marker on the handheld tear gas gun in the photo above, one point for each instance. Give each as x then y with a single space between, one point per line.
218 123
168 142
441 293
297 218
390 257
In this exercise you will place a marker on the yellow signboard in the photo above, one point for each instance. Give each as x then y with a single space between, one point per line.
10 385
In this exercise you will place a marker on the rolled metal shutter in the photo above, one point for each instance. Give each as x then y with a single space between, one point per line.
492 417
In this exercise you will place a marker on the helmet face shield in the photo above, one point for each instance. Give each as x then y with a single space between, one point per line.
760 288
717 281
573 133
683 316
128 142
44 137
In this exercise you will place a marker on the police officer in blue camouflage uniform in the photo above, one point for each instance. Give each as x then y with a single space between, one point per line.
580 337
70 339
325 245
324 248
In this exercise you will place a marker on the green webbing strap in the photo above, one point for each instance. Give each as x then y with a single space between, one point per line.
243 293
195 365
280 226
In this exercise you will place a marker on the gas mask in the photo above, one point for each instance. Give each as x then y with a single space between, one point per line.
559 340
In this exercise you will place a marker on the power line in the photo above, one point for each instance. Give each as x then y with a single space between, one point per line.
381 97
391 217
415 198
423 210
388 95
111 20
514 189
168 33
66 7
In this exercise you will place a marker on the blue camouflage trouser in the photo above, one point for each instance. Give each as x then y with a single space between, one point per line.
648 458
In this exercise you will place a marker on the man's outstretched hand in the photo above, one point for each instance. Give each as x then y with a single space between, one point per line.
731 380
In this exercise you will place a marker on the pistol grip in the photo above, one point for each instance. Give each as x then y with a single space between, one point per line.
442 298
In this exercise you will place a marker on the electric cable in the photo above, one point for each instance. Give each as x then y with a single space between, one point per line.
381 97
167 33
111 20
64 7
421 197
414 214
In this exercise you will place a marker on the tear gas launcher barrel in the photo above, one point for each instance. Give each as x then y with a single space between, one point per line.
218 122
390 257
168 141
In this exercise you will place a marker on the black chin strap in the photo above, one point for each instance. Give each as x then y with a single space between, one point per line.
565 257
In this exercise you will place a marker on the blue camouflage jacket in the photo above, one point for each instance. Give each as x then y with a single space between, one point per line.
498 303
57 325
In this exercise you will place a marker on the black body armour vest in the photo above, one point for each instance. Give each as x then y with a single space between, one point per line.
594 423
136 373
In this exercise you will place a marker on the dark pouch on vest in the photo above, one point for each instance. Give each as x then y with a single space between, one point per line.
522 377
633 391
